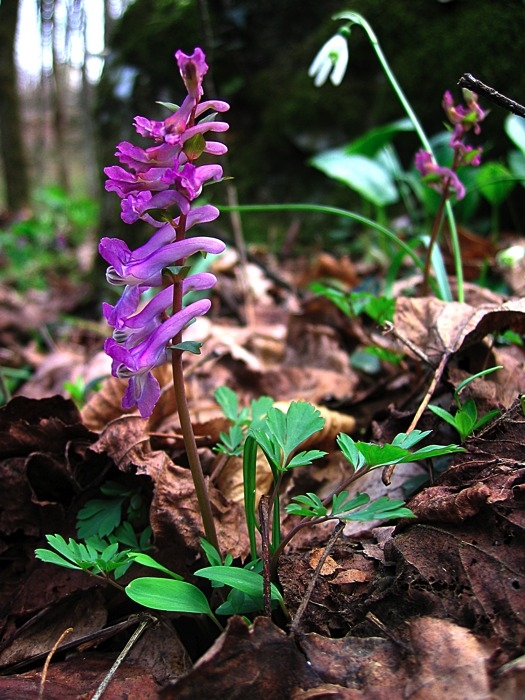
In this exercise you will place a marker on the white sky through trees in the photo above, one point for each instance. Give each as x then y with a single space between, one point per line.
76 46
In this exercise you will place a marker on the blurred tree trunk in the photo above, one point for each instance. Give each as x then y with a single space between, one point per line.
14 162
59 88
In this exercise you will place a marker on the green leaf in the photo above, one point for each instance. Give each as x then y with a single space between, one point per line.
349 449
169 595
146 560
53 558
375 139
212 555
341 503
362 174
494 181
249 474
486 418
302 459
242 580
467 381
99 516
67 550
408 440
515 129
444 415
292 428
308 506
188 346
382 508
228 401
259 410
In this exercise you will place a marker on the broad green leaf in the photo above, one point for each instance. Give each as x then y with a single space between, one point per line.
167 594
362 174
494 181
145 560
259 409
243 580
375 139
515 129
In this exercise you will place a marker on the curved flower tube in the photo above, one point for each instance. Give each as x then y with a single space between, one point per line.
136 363
125 268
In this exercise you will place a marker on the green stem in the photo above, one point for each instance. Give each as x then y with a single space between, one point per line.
329 210
436 227
358 19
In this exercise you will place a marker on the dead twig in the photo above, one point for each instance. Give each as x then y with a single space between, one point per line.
469 81
147 619
48 661
311 585
386 477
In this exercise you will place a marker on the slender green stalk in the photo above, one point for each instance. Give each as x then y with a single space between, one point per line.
358 19
321 208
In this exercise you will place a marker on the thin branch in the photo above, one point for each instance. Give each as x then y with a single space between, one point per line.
311 585
469 81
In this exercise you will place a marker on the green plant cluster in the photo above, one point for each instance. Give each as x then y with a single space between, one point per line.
45 246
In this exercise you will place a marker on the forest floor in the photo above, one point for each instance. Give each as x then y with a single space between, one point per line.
429 608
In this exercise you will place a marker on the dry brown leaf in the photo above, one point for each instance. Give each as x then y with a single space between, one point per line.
443 327
450 663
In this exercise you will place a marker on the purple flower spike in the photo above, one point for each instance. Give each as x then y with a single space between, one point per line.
151 182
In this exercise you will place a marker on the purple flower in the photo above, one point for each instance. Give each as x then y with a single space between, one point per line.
136 363
437 176
128 322
126 268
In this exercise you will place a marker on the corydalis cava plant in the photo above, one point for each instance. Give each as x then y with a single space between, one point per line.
158 185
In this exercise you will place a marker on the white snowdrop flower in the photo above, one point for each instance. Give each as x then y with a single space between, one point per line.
331 60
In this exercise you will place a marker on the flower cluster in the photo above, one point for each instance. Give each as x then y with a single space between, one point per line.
463 119
161 179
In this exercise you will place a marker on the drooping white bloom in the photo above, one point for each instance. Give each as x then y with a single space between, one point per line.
331 60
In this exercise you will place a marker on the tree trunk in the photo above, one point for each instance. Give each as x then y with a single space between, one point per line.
15 170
